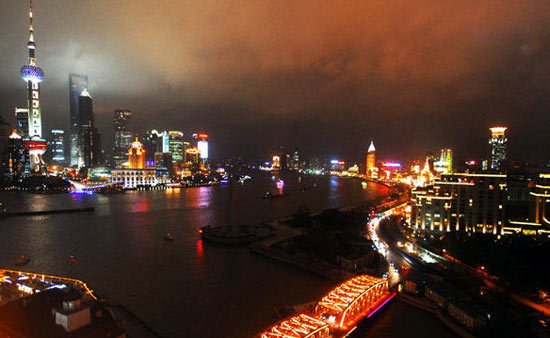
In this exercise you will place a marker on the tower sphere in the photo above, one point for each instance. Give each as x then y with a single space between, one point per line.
32 73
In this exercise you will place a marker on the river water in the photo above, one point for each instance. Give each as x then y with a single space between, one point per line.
184 288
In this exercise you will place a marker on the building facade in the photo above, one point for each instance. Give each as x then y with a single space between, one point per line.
57 146
77 84
136 155
177 146
89 140
15 163
370 168
461 202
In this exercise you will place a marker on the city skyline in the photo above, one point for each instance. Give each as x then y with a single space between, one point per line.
505 86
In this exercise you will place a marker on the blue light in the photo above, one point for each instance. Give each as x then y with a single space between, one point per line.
32 73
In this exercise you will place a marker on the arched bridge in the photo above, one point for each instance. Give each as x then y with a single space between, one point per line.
338 312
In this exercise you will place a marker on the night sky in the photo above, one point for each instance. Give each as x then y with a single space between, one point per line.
325 76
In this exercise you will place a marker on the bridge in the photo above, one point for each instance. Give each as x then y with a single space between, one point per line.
338 312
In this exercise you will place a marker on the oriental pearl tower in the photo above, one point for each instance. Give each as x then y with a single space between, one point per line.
33 75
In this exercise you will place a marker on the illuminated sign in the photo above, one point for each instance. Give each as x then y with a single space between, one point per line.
192 151
201 136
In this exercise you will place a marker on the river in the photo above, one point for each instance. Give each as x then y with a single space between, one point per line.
184 288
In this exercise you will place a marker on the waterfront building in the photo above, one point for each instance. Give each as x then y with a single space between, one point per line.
77 84
22 120
498 143
57 146
89 140
461 202
136 155
136 178
14 159
33 75
176 146
371 169
57 312
123 136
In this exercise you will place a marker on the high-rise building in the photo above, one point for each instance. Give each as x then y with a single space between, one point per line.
136 155
57 146
89 141
153 142
176 146
14 159
124 136
77 84
33 75
22 120
498 142
371 169
202 145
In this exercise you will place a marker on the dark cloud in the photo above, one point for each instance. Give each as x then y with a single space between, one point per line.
326 76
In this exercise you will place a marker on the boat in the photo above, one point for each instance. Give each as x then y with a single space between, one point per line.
23 261
168 237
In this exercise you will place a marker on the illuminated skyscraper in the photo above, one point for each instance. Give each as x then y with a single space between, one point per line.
33 75
202 145
77 84
89 142
136 155
176 146
123 136
498 142
371 169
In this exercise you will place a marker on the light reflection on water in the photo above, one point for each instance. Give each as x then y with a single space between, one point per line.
183 288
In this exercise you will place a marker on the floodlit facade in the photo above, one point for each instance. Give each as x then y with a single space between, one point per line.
461 202
498 142
445 163
136 155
